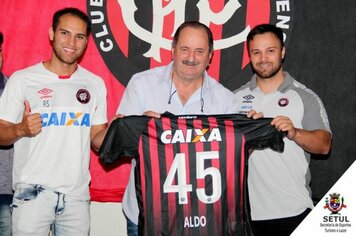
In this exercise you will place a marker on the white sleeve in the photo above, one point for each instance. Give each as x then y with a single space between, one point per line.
100 114
12 100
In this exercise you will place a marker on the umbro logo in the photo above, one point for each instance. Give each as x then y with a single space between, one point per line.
45 91
248 97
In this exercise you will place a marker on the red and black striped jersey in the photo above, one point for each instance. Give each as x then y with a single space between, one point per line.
190 173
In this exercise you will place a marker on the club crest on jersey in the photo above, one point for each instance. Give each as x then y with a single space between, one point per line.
191 136
83 96
283 102
133 36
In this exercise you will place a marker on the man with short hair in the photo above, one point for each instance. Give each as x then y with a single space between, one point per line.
52 112
278 183
181 87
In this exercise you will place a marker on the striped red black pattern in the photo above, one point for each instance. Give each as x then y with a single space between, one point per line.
190 173
162 214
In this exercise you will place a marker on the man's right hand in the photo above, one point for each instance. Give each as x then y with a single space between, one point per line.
31 124
152 114
254 115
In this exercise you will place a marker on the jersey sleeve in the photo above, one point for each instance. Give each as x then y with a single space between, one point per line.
122 138
100 114
260 134
12 99
315 116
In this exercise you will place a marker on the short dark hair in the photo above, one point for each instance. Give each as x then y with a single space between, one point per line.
196 25
72 11
1 38
265 28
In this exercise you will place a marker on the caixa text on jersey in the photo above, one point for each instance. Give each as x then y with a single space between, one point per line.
65 119
191 136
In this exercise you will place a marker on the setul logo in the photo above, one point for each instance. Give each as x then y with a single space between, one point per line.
133 36
335 204
191 136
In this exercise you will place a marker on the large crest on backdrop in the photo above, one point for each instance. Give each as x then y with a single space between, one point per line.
135 35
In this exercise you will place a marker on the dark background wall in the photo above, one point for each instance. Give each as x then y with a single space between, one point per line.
322 55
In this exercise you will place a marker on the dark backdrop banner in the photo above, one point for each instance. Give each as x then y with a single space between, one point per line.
131 36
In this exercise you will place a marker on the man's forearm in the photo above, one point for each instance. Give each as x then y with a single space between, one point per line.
316 142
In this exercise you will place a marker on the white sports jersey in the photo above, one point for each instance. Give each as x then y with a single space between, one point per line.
278 183
58 157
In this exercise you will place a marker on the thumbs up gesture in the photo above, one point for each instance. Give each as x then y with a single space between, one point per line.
31 124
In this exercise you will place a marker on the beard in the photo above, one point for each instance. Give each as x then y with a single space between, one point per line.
62 57
67 60
267 73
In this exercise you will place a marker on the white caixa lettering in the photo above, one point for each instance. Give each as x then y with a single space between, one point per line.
191 136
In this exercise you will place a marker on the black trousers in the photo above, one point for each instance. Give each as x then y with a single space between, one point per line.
278 227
